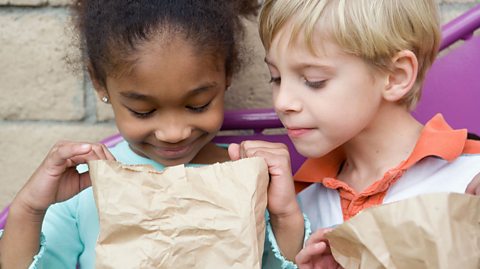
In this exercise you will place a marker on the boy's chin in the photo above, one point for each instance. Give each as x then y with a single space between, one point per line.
311 151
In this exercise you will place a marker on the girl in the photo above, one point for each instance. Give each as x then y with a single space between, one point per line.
164 67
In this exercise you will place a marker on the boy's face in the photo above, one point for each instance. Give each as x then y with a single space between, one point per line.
324 99
170 106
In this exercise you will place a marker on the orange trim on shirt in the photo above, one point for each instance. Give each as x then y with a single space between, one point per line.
436 139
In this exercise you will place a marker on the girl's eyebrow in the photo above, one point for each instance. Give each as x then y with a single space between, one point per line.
144 97
201 89
135 96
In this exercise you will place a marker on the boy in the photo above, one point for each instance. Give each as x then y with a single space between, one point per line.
345 75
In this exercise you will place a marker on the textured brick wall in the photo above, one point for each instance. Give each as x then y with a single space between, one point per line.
42 100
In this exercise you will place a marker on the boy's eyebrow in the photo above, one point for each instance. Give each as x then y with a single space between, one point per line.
299 66
302 66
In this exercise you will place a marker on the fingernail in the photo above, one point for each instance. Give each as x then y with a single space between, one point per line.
85 146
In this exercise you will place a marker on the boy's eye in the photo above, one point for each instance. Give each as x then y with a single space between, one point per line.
141 115
275 80
315 84
199 109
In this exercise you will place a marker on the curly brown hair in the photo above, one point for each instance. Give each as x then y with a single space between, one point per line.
110 31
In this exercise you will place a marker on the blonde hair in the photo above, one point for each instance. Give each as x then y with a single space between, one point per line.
375 30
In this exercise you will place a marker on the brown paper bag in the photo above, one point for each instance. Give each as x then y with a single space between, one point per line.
196 217
440 231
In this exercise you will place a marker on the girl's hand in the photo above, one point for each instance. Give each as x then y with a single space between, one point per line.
474 186
286 217
317 253
281 190
56 179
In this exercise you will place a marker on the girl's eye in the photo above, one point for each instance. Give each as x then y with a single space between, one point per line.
315 84
275 80
199 109
142 115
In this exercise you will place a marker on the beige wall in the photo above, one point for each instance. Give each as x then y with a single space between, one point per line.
43 101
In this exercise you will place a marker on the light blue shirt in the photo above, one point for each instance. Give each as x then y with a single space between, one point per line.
71 228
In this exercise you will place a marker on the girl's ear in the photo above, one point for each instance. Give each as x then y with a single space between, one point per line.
402 76
99 87
228 82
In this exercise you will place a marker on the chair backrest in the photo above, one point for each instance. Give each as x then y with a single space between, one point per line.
452 85
3 216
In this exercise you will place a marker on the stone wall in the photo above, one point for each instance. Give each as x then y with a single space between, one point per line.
43 100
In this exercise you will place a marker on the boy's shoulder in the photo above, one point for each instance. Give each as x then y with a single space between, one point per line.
472 147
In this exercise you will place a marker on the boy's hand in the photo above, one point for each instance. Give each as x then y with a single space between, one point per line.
317 253
56 179
474 186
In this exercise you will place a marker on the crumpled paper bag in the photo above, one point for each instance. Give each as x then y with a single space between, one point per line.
438 231
196 217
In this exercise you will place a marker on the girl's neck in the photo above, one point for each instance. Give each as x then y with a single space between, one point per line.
383 145
211 153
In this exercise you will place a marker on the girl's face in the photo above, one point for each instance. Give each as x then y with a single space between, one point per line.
323 99
169 105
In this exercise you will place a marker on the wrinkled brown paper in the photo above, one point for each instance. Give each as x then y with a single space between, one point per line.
440 231
195 217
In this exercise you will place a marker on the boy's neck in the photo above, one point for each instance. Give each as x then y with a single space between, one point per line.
388 141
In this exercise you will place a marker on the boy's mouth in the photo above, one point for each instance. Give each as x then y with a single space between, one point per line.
298 132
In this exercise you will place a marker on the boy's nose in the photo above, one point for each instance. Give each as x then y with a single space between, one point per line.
285 100
173 133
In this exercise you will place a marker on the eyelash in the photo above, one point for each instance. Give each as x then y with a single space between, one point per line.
315 84
144 115
199 109
311 84
141 115
275 80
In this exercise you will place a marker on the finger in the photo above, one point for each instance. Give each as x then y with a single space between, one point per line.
277 164
263 144
107 153
306 255
243 149
252 144
318 236
474 186
97 148
85 158
64 151
234 151
84 181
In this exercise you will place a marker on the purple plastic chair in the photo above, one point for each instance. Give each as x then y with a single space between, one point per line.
3 217
452 86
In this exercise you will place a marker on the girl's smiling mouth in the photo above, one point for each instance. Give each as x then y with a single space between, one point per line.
174 152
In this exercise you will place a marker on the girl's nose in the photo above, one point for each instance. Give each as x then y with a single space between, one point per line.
173 133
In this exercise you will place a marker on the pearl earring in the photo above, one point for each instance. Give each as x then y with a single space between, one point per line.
105 99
